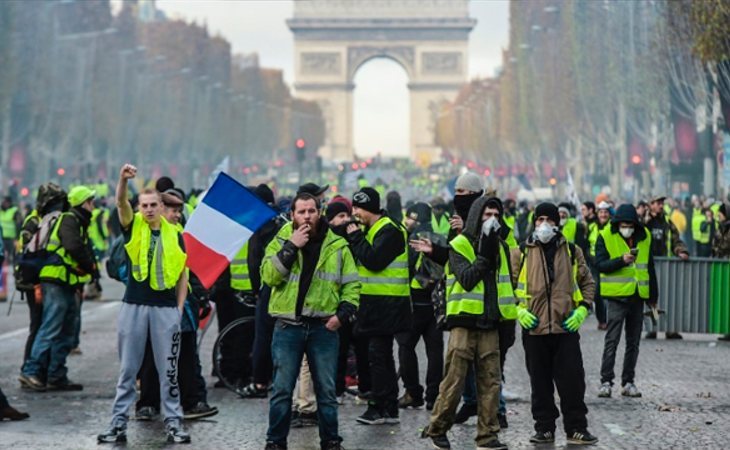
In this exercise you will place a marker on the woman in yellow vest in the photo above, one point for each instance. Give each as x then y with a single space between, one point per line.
478 296
555 293
624 259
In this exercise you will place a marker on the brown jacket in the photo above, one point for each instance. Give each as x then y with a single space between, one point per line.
553 311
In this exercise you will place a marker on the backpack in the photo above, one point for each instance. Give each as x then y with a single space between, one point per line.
116 265
29 263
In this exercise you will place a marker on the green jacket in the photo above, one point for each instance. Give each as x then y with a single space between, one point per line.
335 278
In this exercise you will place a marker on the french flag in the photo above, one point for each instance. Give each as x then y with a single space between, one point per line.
220 225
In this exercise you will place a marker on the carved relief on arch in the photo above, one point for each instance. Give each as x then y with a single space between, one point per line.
320 63
403 55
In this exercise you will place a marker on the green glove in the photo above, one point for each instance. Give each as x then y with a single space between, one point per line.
575 319
527 320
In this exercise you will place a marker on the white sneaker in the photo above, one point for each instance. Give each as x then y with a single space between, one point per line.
605 390
630 390
341 399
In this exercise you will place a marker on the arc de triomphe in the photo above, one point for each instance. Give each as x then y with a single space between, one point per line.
333 38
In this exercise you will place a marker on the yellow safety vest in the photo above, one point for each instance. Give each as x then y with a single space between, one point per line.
168 259
98 235
393 280
240 279
697 235
63 267
522 292
624 282
7 221
569 229
441 225
459 301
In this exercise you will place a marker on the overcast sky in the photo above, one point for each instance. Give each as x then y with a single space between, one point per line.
381 96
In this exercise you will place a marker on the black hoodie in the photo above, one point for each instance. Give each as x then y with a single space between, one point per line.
485 268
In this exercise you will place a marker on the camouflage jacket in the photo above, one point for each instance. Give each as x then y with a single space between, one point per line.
721 243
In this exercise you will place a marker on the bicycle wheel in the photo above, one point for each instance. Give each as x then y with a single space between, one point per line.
217 357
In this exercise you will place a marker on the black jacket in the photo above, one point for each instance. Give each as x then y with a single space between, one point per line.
73 234
485 268
380 315
605 264
429 272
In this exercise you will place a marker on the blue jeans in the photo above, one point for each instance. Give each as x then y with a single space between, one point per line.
470 392
55 336
288 346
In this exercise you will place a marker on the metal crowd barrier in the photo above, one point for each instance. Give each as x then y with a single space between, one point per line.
695 294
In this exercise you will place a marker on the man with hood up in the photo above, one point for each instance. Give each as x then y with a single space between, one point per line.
555 292
479 294
626 264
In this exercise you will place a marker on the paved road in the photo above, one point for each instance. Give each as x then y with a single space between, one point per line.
686 401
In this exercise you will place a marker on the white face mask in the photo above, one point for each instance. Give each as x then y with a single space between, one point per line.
489 225
563 222
544 232
626 232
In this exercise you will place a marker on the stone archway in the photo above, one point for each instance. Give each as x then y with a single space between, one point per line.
334 38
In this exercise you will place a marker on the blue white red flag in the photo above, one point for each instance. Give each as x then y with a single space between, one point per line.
220 225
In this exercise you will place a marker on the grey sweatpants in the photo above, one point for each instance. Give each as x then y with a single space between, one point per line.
162 324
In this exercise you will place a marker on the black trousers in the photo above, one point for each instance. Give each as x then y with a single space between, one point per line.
36 317
628 315
189 376
237 345
424 325
264 330
598 301
382 371
555 360
3 400
360 345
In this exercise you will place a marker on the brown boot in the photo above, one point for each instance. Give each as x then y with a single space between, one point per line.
11 413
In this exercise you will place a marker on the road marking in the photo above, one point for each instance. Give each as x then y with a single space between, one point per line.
86 313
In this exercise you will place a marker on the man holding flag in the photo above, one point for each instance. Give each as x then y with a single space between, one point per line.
151 308
315 288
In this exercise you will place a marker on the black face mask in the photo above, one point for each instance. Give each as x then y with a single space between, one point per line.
462 204
340 230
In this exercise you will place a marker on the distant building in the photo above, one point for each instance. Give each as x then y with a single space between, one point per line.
246 61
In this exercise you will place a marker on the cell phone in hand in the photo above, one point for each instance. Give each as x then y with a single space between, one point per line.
634 251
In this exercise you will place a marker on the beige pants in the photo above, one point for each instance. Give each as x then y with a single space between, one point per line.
306 400
466 346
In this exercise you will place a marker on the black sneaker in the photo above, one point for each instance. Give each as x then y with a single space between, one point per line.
304 419
582 437
465 412
252 391
64 385
391 415
494 444
438 442
273 446
112 435
176 435
372 416
543 437
650 335
408 401
146 413
332 445
429 405
199 411
502 421
674 335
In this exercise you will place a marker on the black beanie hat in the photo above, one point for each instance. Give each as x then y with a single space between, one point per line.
546 209
265 193
334 208
368 199
420 212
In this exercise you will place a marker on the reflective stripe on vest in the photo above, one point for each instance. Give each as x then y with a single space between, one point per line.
393 281
240 279
521 291
7 221
168 259
471 303
62 267
624 282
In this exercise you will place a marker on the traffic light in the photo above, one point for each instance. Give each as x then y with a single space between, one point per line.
636 160
300 146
